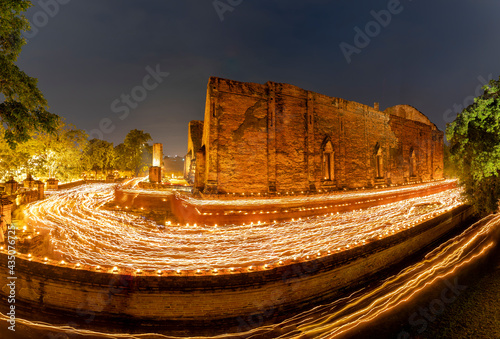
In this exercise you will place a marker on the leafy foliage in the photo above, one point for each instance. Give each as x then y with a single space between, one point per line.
24 109
450 169
58 154
99 155
475 149
135 153
121 157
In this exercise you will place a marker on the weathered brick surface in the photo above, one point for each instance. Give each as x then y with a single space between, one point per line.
266 138
210 297
195 133
233 212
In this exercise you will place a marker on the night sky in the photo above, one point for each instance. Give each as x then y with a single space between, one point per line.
91 54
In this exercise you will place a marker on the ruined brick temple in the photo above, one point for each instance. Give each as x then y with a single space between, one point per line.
277 137
195 133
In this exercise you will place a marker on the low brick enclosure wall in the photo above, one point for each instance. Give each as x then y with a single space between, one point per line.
72 184
190 212
78 183
225 296
148 201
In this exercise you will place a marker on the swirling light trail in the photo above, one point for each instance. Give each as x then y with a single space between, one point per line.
362 307
82 231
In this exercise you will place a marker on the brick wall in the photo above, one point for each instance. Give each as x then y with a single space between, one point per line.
135 200
267 138
195 133
73 184
269 209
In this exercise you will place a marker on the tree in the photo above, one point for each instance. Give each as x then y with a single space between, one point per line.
58 154
99 155
24 108
450 167
134 153
475 148
121 157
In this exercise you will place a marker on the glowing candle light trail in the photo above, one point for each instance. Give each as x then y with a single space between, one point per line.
82 231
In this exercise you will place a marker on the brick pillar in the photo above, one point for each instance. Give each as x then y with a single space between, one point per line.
271 137
342 181
311 169
187 166
52 184
5 215
211 153
155 174
199 174
157 155
11 186
29 182
40 186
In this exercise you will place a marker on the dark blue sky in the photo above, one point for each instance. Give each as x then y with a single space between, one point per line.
86 54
